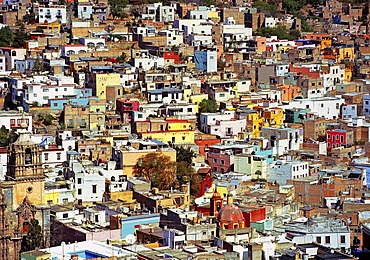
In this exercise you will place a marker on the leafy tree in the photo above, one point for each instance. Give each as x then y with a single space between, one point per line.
28 18
38 66
184 172
33 238
20 37
117 8
280 31
269 9
122 58
7 137
157 168
208 106
184 155
6 37
292 6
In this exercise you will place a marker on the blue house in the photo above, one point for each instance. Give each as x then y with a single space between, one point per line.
130 224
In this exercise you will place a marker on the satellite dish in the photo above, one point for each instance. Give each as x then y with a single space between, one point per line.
130 239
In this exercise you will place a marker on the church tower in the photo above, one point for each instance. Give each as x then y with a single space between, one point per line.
216 204
25 170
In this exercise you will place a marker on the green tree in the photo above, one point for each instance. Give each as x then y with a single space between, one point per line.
7 137
269 9
28 18
280 31
207 106
38 66
122 58
293 6
184 154
6 37
117 8
20 37
184 172
157 168
33 238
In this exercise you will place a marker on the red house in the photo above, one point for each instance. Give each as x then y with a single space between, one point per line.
253 214
171 55
338 137
204 141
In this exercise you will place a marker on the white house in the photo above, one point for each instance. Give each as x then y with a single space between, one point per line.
52 13
89 184
270 22
174 36
148 62
53 156
41 93
10 55
14 120
209 119
69 49
165 14
331 233
328 107
84 10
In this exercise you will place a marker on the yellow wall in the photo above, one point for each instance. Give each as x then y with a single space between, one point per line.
104 80
53 196
180 137
213 14
35 196
325 44
343 54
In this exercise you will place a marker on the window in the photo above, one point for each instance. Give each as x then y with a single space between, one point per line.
214 160
45 90
65 215
46 157
342 239
94 188
79 180
59 156
79 191
222 162
190 110
327 239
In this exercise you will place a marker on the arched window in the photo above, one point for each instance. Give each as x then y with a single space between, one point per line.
113 178
28 156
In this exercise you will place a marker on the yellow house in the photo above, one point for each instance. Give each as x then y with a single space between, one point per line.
177 137
196 99
254 124
213 14
346 53
348 74
102 80
51 197
324 44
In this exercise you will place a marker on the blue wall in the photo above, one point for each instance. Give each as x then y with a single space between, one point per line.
57 104
129 223
200 58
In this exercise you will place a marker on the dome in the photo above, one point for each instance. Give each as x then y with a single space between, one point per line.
230 214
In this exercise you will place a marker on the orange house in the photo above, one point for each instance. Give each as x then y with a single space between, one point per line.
288 92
